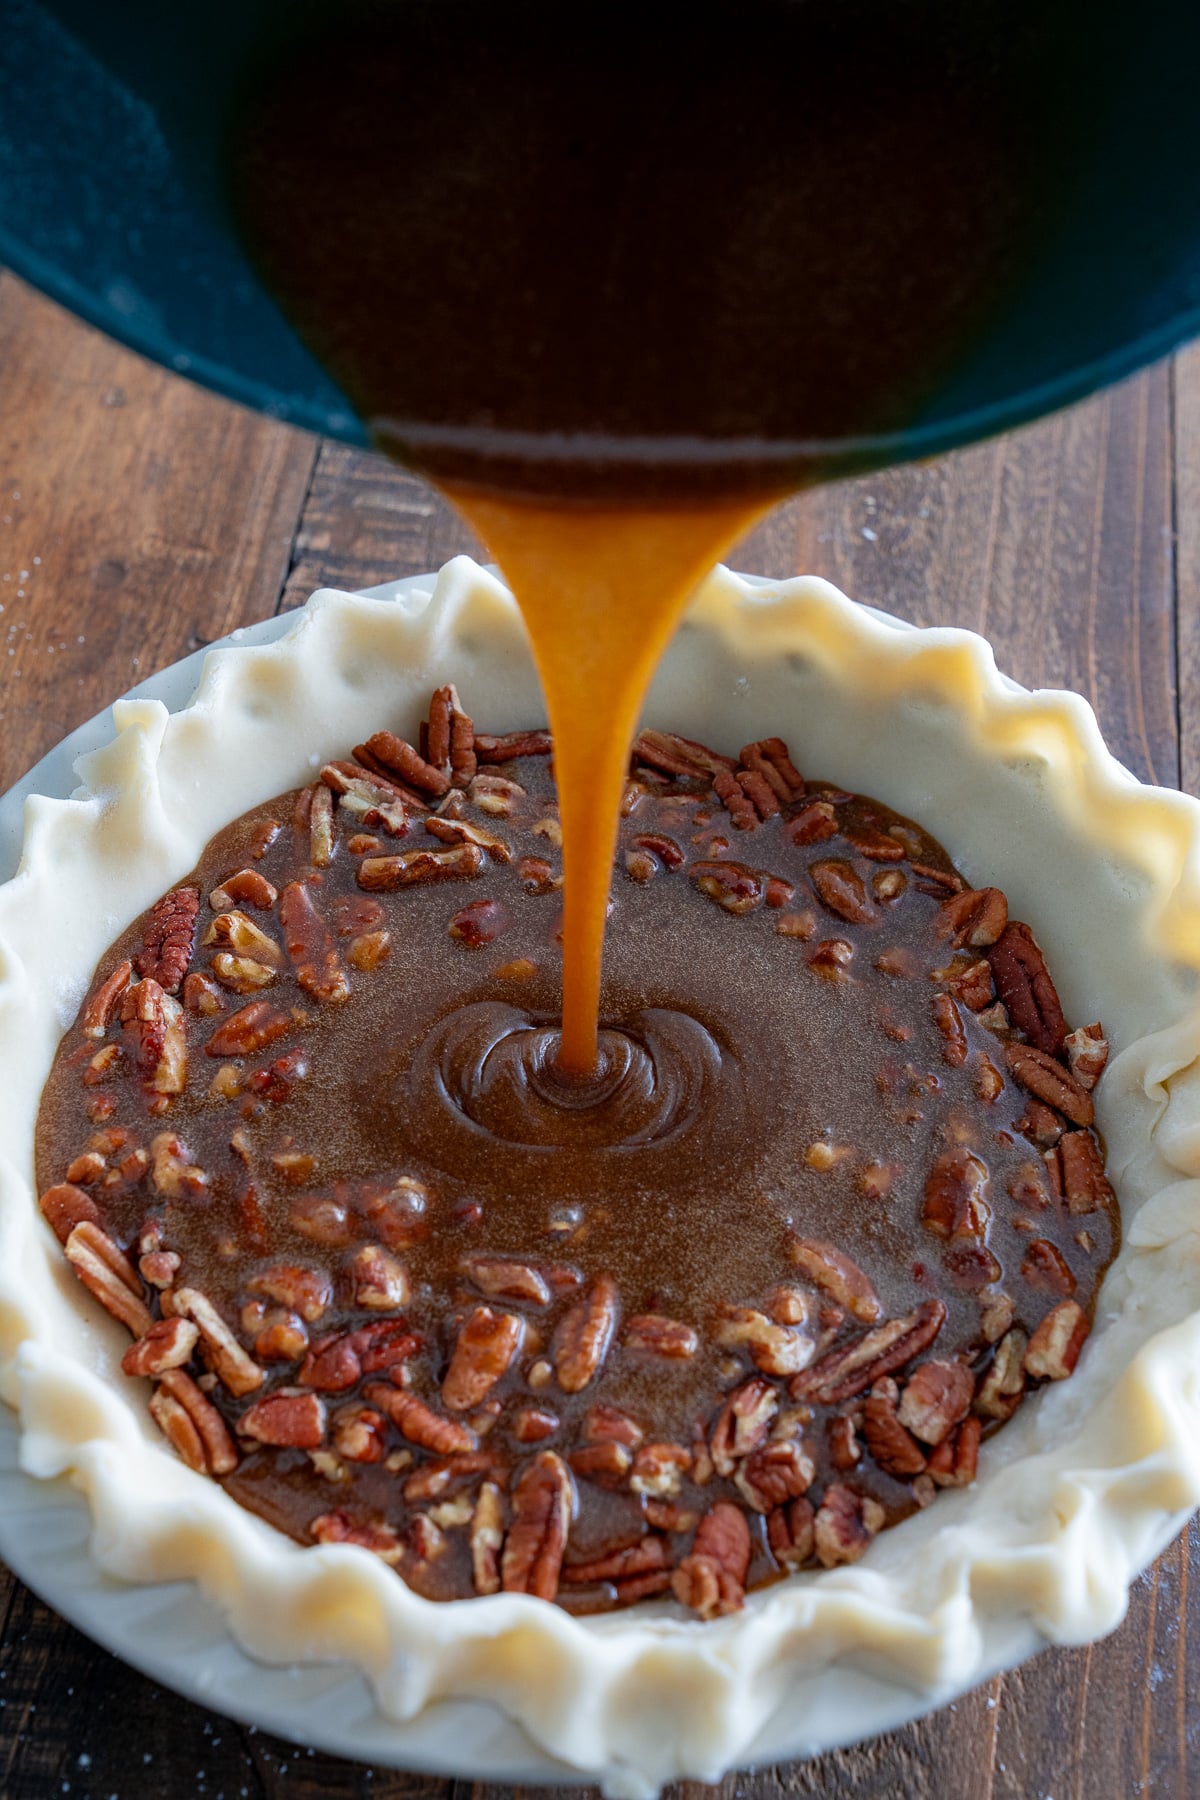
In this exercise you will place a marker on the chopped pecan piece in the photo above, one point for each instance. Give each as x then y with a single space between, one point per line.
504 1278
380 1282
896 1452
831 1270
248 887
732 886
534 1424
236 931
742 1424
841 1374
1026 990
65 1206
790 1533
1041 1075
483 1352
608 1424
486 1537
461 831
217 1447
606 1464
242 974
239 1372
281 1337
657 1335
975 918
840 889
954 1462
289 1421
845 1451
584 1335
416 868
774 1474
310 945
1085 1186
339 1528
155 1020
495 794
658 1470
248 1030
201 995
989 1082
1003 1385
936 1396
169 939
1054 1347
107 1273
359 1434
711 1579
332 1365
103 1002
537 1537
812 824
845 1524
1087 1054
168 1344
954 1205
480 923
775 1349
419 1423
307 1291
172 1170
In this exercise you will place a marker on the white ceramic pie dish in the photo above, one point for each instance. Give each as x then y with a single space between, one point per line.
1075 1496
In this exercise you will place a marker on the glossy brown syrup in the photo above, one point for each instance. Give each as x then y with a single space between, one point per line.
765 1075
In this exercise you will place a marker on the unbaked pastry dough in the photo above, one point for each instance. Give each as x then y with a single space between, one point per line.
1074 1497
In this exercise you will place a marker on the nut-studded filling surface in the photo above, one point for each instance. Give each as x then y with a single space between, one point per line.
830 1209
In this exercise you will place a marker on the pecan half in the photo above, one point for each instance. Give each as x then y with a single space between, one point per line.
486 1537
168 1344
890 1444
954 1205
845 1524
103 1002
676 755
248 1030
419 1423
1047 1080
1003 1385
288 1421
107 1273
936 1396
843 1373
837 1275
954 1462
155 1021
976 918
774 1474
747 798
461 831
1026 990
511 745
948 1020
169 938
310 946
416 868
657 1335
504 1278
537 1537
730 885
483 1351
1044 1266
65 1206
239 1372
399 758
176 1425
584 1335
840 889
790 1533
770 759
642 1558
450 745
1054 1347
742 1424
1085 1187
218 1450
711 1579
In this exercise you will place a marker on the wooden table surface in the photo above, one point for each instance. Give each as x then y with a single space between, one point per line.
140 518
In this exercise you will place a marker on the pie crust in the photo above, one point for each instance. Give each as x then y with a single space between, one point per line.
1074 1496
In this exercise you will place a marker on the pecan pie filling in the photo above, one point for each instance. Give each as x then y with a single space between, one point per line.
829 1208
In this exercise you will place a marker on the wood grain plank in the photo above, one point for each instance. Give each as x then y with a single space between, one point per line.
1186 395
139 518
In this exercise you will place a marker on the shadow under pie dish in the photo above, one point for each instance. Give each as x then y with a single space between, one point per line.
1035 806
